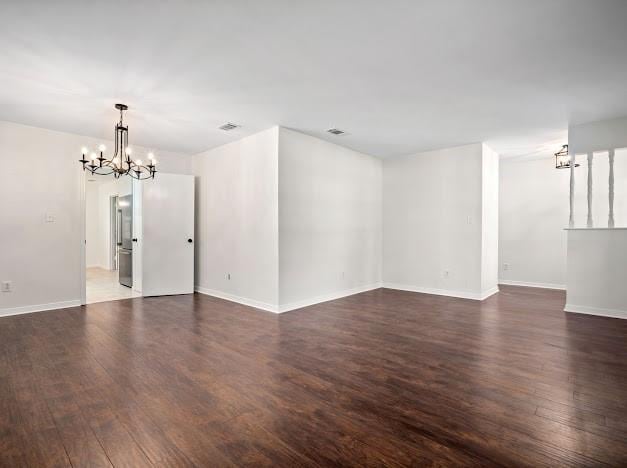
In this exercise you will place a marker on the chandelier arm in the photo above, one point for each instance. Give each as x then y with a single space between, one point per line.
142 172
104 170
116 143
124 147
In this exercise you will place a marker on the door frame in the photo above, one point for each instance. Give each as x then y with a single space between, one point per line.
82 190
82 245
113 259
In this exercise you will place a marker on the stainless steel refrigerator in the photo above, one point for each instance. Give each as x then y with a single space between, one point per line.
125 240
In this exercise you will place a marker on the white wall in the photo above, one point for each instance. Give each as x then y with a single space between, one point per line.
598 136
432 221
597 268
41 176
93 235
237 220
329 220
489 220
533 215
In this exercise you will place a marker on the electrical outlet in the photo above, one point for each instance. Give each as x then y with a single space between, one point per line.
49 218
228 276
6 286
505 266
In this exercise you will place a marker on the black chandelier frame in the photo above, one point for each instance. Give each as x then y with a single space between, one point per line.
121 163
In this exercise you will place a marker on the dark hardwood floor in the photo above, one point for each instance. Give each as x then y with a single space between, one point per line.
383 378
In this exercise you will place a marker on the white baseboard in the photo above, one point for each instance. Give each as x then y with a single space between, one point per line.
614 313
240 300
286 307
528 284
489 292
39 307
327 297
477 296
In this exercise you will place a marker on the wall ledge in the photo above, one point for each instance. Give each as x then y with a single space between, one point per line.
613 313
596 229
477 296
39 307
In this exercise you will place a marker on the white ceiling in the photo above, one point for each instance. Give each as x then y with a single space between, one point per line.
398 76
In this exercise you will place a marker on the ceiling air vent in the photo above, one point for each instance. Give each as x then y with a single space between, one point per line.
335 131
228 126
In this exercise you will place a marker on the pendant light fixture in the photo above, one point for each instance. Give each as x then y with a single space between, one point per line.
121 163
562 158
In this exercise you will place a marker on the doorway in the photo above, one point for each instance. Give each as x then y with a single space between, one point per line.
138 237
108 239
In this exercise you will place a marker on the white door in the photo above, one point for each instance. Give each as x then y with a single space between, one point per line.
167 248
137 235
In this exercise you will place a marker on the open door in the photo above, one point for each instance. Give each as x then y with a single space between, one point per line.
137 238
167 235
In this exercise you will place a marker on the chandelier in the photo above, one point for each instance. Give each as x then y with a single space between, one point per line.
562 158
121 163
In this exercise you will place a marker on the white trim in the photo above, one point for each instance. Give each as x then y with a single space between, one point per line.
39 308
240 300
327 297
614 313
82 252
595 229
489 292
286 307
443 292
528 284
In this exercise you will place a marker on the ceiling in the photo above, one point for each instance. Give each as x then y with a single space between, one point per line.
397 76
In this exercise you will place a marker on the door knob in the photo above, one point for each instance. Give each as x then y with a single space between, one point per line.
190 241
134 239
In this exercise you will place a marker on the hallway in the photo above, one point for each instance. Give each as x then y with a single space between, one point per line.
103 285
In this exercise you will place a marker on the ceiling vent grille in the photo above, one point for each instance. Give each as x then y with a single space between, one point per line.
336 131
228 126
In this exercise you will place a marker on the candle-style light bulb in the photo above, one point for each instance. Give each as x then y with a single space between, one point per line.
93 156
138 162
102 148
151 156
84 151
129 150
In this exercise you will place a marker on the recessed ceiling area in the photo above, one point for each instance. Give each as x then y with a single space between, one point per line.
398 77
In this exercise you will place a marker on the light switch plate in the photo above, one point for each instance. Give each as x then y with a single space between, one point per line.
6 286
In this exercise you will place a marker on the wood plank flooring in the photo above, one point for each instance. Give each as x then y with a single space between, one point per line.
383 378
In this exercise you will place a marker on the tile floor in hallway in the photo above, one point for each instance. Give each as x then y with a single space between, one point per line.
103 285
